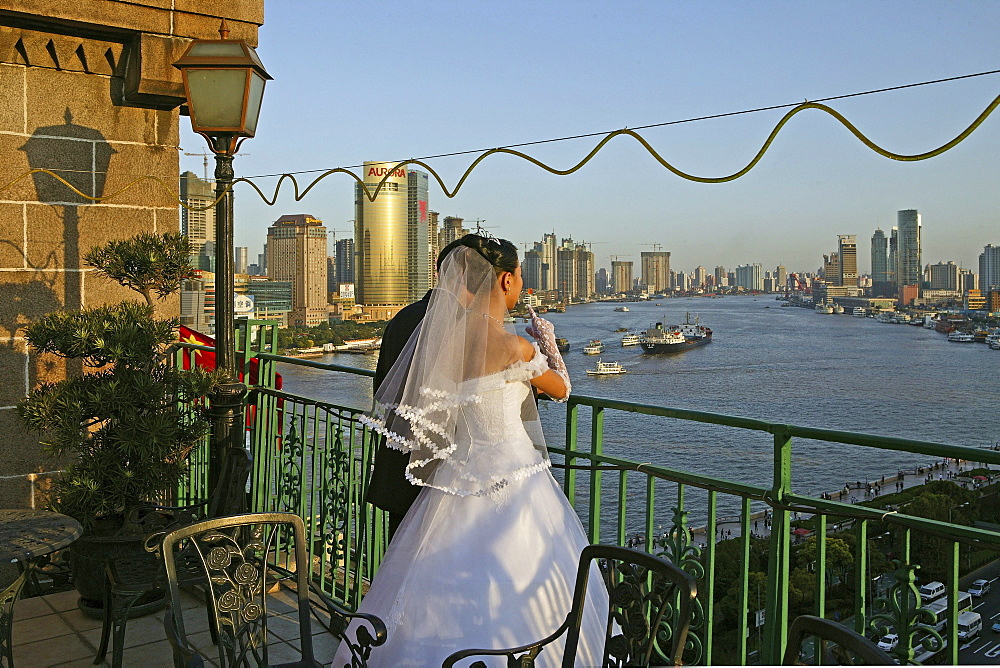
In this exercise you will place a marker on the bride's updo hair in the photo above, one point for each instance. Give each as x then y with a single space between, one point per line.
500 253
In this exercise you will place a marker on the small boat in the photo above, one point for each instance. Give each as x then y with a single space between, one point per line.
606 369
838 309
858 312
562 344
595 347
630 340
621 309
961 337
995 344
825 309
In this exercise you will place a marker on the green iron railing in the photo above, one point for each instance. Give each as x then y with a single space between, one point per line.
313 458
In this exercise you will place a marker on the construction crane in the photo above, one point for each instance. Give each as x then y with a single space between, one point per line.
656 247
479 225
205 157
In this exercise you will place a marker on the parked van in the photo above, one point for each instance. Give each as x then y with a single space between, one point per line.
969 625
931 592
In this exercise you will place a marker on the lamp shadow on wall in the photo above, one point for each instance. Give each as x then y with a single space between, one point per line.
80 155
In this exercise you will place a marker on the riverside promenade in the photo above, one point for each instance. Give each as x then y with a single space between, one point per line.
853 491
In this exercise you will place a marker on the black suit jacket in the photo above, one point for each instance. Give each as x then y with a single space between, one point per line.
389 489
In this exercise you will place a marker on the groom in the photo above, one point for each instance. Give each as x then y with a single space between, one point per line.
388 488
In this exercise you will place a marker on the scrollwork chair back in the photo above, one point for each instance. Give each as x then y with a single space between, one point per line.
651 608
239 556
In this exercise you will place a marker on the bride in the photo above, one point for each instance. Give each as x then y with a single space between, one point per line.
487 555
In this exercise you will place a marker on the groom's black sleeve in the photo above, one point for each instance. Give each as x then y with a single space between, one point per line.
388 488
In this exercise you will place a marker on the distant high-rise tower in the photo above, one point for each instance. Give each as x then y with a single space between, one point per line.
382 241
418 240
451 230
241 259
880 264
893 258
345 261
989 268
721 277
944 276
909 270
601 282
296 252
847 248
700 277
198 225
831 268
655 267
531 270
549 262
780 277
750 277
621 275
432 246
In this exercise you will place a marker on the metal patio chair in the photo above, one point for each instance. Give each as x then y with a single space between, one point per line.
128 579
651 608
245 588
836 645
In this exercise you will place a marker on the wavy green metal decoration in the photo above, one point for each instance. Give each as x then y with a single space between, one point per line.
678 547
371 195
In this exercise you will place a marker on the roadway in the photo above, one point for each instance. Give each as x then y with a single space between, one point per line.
985 648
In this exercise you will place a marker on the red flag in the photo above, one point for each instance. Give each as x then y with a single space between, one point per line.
205 359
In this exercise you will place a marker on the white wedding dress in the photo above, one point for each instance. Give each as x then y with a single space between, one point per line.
489 571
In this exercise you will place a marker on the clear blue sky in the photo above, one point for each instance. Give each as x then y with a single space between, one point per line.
356 81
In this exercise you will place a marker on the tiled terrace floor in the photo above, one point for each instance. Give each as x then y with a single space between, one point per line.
51 631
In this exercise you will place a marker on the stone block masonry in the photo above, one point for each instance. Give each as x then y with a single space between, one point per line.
89 92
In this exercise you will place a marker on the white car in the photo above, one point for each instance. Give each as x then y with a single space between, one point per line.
888 642
980 588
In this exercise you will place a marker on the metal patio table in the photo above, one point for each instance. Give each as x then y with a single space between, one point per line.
26 535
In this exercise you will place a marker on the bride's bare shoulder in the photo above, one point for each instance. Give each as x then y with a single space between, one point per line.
526 348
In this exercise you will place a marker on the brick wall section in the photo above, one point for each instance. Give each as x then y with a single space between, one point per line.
88 89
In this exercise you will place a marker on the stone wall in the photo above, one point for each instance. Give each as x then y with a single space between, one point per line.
89 92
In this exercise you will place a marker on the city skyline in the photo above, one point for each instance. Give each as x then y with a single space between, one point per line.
500 79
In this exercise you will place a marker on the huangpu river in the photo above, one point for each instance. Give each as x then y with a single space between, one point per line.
788 365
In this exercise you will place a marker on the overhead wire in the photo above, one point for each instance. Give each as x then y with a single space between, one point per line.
300 193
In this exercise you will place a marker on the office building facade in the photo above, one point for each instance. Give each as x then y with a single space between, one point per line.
909 270
382 239
847 249
989 268
419 256
881 285
297 252
197 221
621 275
655 268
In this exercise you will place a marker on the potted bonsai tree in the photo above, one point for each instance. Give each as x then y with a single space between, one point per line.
126 426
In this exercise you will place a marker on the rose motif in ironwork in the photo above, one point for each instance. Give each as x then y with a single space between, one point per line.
625 594
252 612
218 558
245 574
228 602
636 627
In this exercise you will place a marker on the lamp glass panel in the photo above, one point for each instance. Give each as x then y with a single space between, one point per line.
216 49
216 98
253 102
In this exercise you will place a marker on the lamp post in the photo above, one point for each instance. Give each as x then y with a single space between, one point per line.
224 85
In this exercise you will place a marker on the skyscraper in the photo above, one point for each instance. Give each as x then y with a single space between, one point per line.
780 277
750 277
531 270
432 246
345 261
296 252
549 267
700 277
198 225
241 259
880 264
847 248
989 268
382 241
721 277
655 270
418 239
621 275
944 276
909 270
602 282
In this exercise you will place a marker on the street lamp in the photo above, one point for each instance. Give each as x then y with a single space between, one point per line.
224 85
961 505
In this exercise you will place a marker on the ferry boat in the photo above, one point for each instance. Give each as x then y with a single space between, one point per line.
838 309
622 309
595 347
825 309
858 312
606 369
676 338
630 339
562 344
961 337
995 345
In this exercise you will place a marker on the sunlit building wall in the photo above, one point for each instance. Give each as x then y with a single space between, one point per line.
382 240
655 266
909 270
621 275
989 268
297 252
847 249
